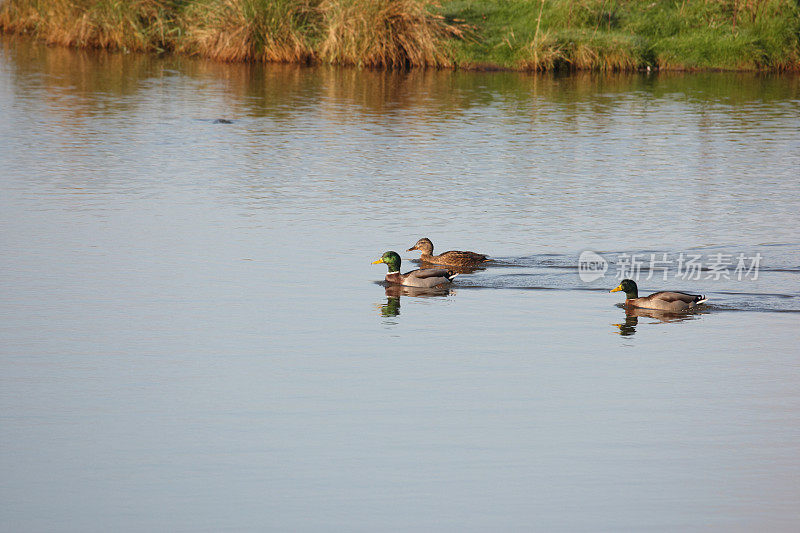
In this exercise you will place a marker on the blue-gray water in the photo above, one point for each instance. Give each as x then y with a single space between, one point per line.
192 337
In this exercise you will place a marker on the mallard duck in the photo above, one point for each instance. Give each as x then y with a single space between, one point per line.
422 277
664 300
453 257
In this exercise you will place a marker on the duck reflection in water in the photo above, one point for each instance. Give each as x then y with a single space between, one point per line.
393 293
632 315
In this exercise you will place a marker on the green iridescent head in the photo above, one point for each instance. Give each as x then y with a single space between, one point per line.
629 287
391 259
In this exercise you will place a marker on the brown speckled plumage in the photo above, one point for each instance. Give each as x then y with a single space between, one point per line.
452 258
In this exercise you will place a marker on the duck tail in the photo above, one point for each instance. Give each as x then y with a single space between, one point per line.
701 300
451 275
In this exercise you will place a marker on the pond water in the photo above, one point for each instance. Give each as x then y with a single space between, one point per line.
192 337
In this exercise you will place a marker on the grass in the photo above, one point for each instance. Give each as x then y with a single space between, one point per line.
135 25
508 34
627 34
374 33
248 30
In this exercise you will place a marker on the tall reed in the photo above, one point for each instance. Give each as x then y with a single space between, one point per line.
239 30
138 25
384 33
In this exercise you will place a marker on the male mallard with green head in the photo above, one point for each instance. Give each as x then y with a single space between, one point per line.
664 300
453 257
422 277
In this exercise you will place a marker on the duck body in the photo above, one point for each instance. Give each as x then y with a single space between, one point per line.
422 277
666 301
452 258
672 301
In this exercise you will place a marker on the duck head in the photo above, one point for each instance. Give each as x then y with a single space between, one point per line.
629 287
424 245
391 259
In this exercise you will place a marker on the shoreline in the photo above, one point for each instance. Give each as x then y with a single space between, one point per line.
469 35
474 68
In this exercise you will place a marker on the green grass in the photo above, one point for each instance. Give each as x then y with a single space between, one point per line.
622 35
508 34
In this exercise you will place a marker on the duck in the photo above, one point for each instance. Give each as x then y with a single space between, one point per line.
663 300
422 277
452 258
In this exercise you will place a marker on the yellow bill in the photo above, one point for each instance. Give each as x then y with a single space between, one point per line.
619 288
378 261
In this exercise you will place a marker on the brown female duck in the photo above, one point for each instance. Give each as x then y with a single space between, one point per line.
453 257
664 300
422 277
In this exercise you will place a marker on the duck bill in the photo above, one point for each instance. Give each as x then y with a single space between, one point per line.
378 261
619 288
411 249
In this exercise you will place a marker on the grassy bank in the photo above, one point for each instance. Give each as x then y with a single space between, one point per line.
622 35
512 34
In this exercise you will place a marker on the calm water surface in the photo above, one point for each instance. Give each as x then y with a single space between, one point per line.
192 337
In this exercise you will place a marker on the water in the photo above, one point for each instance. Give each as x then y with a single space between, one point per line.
192 336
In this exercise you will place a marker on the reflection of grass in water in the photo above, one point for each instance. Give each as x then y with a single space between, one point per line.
517 34
346 96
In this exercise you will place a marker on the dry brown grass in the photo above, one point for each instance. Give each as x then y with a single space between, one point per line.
372 33
137 25
241 30
383 33
601 53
